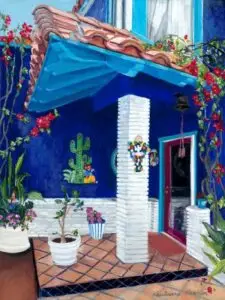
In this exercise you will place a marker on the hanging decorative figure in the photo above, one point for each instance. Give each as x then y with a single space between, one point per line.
181 106
138 150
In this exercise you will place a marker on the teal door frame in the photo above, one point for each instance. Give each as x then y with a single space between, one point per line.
162 141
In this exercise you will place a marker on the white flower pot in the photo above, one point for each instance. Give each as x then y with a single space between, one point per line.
96 230
64 254
13 240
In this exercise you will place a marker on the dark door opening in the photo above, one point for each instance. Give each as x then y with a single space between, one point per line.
177 188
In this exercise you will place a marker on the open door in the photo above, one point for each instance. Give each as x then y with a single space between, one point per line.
177 188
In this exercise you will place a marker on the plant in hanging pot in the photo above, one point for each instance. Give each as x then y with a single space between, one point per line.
96 224
64 245
16 208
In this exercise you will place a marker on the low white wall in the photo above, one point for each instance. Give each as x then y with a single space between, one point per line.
45 224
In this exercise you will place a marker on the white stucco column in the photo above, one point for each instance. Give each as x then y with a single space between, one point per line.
132 187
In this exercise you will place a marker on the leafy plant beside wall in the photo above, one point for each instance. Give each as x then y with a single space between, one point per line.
80 167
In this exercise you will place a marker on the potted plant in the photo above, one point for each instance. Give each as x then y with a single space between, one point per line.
96 224
16 209
64 245
201 201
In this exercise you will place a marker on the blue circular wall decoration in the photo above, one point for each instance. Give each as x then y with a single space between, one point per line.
114 161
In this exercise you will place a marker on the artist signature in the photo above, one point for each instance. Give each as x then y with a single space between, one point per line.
168 294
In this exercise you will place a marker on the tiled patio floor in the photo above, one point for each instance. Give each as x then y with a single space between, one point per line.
98 268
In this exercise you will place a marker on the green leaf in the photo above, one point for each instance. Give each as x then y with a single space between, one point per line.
10 175
19 164
213 259
217 248
220 222
219 268
215 235
34 195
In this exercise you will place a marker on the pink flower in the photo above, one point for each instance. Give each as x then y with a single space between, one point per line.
7 21
34 132
1 217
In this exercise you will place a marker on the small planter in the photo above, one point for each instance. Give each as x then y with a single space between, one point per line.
96 230
64 254
202 203
13 240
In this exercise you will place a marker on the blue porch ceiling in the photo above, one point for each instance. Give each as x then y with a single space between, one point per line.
73 70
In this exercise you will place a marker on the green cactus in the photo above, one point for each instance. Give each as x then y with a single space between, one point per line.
77 165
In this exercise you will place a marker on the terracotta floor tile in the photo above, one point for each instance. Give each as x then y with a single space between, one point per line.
39 254
96 274
177 284
43 279
54 271
70 276
158 261
107 245
56 282
84 249
194 286
41 268
171 266
184 296
153 288
44 247
188 260
81 268
103 266
125 266
94 243
85 238
118 271
113 238
97 253
79 256
111 258
130 274
144 297
152 270
110 276
185 267
37 243
46 260
84 278
79 297
138 268
178 257
89 261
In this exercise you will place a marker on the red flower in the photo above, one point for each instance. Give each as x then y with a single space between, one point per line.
34 132
51 116
196 100
215 117
20 116
215 89
207 95
186 37
218 126
159 46
10 36
172 47
193 68
218 180
218 143
209 289
7 20
209 78
43 122
8 52
217 72
212 135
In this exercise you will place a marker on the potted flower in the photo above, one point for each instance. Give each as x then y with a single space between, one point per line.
64 245
96 224
16 209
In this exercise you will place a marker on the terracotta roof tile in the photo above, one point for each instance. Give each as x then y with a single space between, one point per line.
86 30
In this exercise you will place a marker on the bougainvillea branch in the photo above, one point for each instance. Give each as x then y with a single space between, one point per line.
14 58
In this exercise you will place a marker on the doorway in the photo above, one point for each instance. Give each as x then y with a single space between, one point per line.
177 184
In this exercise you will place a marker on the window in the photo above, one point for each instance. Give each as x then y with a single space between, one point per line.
170 17
122 13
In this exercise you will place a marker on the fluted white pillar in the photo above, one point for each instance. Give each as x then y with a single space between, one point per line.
132 187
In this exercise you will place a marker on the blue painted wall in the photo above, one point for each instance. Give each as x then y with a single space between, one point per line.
214 19
47 155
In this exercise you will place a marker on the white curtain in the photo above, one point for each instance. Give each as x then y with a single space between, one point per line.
169 17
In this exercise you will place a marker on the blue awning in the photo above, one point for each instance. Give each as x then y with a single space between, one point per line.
73 70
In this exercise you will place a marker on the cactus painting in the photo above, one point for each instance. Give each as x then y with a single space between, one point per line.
78 165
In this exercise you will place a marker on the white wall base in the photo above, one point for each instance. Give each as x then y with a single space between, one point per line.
44 225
